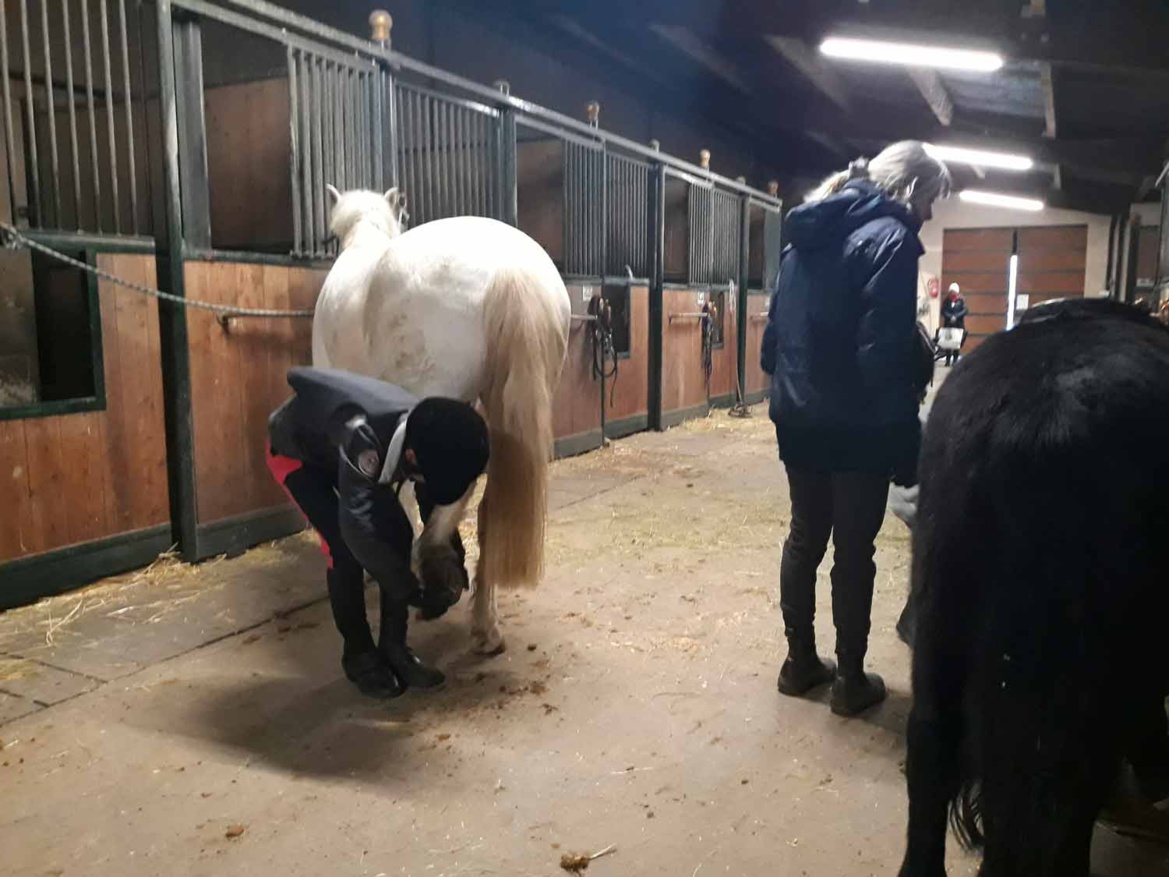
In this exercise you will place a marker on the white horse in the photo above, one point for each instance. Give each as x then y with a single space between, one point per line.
467 308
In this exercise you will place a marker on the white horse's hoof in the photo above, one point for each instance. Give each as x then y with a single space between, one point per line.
488 643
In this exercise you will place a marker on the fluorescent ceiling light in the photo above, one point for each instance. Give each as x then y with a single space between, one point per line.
980 158
911 55
994 199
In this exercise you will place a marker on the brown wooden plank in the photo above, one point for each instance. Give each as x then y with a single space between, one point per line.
211 395
757 379
984 325
144 474
683 379
48 483
1052 260
540 194
115 442
1069 237
17 525
1065 282
998 240
978 303
79 449
248 163
976 262
628 396
996 281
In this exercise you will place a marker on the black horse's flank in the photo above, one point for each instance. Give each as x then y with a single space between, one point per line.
1040 558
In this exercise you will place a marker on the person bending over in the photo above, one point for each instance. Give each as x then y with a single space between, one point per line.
342 447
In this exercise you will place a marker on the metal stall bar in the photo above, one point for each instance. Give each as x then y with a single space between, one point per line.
462 162
305 73
294 151
37 215
50 93
741 296
374 93
9 137
175 351
269 19
133 164
106 68
655 234
318 196
389 95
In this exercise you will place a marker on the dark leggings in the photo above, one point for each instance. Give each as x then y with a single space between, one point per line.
314 490
849 508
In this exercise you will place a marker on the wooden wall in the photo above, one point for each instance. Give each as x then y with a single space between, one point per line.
757 380
79 477
248 164
577 406
238 378
540 194
725 359
629 396
683 379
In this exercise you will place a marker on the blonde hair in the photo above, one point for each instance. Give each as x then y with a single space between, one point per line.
903 171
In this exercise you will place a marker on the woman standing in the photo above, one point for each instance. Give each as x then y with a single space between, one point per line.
841 346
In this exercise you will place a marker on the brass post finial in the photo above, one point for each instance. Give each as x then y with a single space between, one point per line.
381 23
503 85
740 179
704 159
593 111
773 188
655 145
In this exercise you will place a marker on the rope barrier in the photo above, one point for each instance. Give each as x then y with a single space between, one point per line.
14 240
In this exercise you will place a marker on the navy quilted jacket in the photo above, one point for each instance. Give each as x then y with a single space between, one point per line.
841 337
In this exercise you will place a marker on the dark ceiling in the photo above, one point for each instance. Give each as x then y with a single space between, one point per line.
1085 90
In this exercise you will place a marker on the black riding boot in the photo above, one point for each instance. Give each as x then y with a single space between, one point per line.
360 660
855 690
803 670
395 652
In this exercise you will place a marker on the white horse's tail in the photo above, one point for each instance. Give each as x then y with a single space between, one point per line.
525 355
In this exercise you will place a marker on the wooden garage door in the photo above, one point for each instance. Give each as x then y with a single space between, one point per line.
1051 266
1051 262
979 261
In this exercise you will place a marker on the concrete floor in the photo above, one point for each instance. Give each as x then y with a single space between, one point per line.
195 721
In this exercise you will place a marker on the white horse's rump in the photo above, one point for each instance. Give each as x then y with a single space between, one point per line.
468 308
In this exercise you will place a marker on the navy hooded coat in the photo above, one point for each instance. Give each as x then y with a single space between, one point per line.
841 338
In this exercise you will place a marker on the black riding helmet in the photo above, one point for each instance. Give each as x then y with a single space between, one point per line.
449 440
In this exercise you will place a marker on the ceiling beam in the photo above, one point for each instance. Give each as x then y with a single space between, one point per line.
701 53
1077 35
812 67
1047 76
930 84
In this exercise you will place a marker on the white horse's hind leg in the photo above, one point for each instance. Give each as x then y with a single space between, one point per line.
444 521
486 638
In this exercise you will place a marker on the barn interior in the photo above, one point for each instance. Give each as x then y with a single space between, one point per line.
170 695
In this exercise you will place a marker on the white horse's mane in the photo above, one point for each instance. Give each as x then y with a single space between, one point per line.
384 213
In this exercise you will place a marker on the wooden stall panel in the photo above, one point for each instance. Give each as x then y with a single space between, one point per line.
629 394
238 377
577 405
725 359
683 378
248 164
540 194
758 381
78 477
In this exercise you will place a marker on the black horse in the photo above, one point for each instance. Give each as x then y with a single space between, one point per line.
1040 566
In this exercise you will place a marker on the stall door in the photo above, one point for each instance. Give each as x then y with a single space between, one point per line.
979 261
